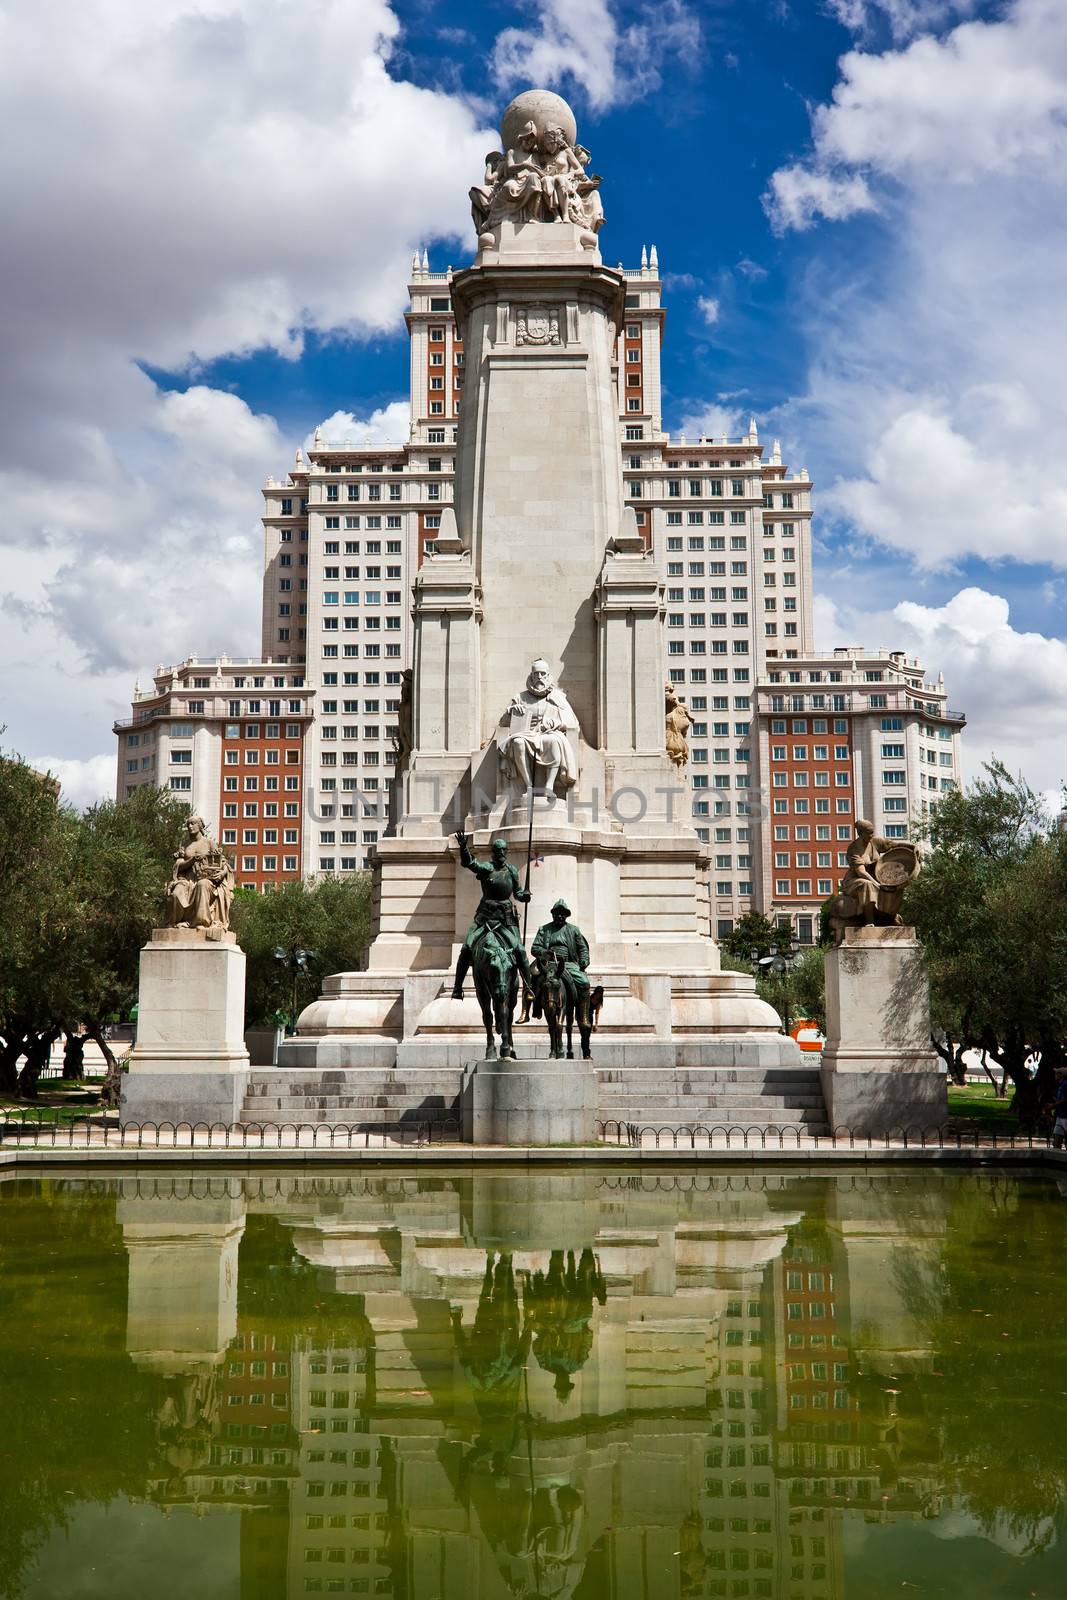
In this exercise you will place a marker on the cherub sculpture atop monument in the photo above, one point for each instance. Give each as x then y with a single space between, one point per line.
540 175
872 889
536 736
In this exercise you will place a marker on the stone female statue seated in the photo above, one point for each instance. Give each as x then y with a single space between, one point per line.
200 891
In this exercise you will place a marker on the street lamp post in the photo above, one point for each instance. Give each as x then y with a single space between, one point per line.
779 962
297 959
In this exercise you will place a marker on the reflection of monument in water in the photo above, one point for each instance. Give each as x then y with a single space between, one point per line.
708 1433
541 563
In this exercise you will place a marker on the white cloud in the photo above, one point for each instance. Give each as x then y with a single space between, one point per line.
987 98
936 389
160 553
390 424
924 473
82 783
1010 683
904 17
579 42
709 309
177 191
714 421
799 195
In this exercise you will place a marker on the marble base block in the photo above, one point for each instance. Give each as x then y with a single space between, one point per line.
529 1102
190 1063
879 1073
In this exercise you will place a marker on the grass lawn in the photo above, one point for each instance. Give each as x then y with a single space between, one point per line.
976 1104
37 1111
59 1101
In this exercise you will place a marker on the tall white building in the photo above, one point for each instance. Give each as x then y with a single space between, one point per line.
347 529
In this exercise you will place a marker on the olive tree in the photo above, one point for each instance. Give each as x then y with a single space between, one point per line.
988 909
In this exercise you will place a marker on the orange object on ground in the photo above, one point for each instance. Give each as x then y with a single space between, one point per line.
807 1035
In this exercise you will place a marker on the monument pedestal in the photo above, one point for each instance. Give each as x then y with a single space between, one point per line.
189 1063
529 1102
879 1074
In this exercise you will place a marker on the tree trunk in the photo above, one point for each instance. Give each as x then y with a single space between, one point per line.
952 1055
37 1053
74 1056
10 1051
1013 1053
1052 1059
987 1069
110 1088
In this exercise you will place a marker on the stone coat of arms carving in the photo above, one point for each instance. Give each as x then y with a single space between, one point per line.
536 324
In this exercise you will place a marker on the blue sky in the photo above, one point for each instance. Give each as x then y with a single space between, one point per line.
858 206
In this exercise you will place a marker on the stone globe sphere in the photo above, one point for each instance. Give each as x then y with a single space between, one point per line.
541 107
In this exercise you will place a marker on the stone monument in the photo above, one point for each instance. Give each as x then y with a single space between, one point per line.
189 1063
879 1072
536 706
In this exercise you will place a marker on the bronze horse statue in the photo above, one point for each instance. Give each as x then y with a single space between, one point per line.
496 983
557 1004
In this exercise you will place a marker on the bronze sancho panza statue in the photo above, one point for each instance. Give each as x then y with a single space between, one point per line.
561 952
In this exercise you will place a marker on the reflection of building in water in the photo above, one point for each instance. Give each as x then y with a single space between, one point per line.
224 1434
339 1506
611 1388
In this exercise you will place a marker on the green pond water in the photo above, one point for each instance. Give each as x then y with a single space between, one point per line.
581 1383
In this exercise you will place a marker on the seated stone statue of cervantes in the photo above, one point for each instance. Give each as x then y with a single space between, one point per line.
537 737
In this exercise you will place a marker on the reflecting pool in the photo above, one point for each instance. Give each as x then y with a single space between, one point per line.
464 1386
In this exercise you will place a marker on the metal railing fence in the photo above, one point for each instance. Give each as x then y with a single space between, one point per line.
34 1128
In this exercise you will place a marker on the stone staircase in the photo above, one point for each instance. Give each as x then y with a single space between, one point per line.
356 1097
376 1100
715 1097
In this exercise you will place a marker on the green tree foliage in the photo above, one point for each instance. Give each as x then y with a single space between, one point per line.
988 907
753 931
37 853
330 918
800 991
809 979
81 896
